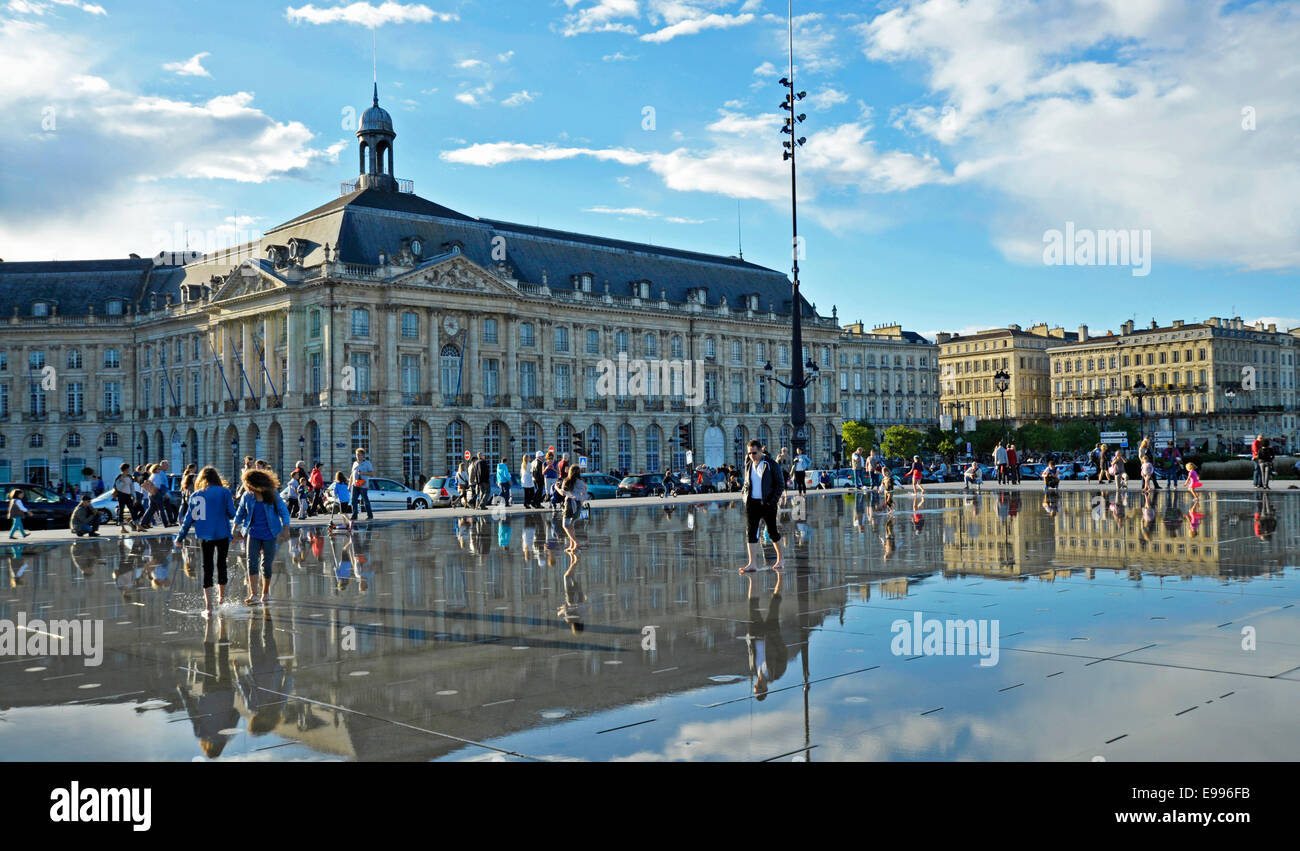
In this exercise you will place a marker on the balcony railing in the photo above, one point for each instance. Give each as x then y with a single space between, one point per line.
625 404
740 407
417 399
677 405
4 416
175 410
274 403
363 397
828 407
500 400
596 405
566 403
252 404
191 410
454 400
73 417
654 405
41 417
230 406
312 400
531 403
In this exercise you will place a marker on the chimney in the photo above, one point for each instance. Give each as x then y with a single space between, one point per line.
1057 333
1178 323
1127 327
1083 333
1213 322
1272 327
1013 327
942 337
1040 329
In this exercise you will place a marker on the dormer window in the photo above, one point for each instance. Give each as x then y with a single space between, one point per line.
641 289
41 308
753 301
583 282
115 306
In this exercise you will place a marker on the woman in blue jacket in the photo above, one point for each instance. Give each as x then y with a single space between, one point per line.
263 516
209 511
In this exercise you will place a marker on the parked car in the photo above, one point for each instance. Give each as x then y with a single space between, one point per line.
646 484
601 486
384 495
49 509
1032 471
441 490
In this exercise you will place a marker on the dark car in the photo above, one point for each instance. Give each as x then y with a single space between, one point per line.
48 509
647 484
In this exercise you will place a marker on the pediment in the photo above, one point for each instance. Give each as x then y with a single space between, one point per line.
248 278
457 273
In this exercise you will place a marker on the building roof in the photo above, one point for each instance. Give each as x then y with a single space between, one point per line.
995 333
75 287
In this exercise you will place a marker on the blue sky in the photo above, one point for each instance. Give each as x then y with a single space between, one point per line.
945 138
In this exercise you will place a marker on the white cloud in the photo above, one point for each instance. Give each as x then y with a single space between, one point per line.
191 67
825 99
601 16
471 63
617 57
1048 112
734 104
622 211
505 57
815 41
693 26
40 7
476 96
520 98
767 69
368 15
468 98
125 157
1283 323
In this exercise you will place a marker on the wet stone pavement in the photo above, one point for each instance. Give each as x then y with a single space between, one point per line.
1129 630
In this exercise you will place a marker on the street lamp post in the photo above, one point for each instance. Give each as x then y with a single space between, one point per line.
1002 381
798 382
1139 390
234 456
1230 393
302 442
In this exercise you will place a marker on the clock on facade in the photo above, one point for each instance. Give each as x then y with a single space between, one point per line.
451 326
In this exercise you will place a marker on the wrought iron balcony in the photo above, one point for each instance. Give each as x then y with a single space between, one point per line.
677 405
500 400
653 405
624 404
531 403
596 404
73 417
417 399
313 400
566 403
252 404
363 397
455 400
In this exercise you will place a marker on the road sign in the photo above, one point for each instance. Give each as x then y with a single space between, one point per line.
969 424
1115 437
466 454
945 422
1164 435
582 461
690 457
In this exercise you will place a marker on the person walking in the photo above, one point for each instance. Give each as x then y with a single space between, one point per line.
483 482
539 479
317 482
1013 465
1193 484
917 471
124 494
551 475
17 511
1257 474
762 487
526 480
574 492
856 462
1103 462
1147 458
668 488
153 496
503 481
1265 463
801 465
362 470
341 494
210 512
872 465
1000 461
264 518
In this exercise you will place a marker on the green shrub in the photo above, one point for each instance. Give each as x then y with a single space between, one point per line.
1238 469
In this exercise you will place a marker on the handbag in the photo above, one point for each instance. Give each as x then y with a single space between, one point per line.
149 487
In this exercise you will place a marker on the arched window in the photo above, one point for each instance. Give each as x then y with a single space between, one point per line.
36 441
492 442
829 444
595 448
451 373
455 444
110 439
785 440
564 439
625 447
411 452
74 440
74 358
652 442
765 438
313 442
530 436
740 439
361 436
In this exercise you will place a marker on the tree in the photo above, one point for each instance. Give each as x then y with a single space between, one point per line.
947 447
1037 437
858 434
1129 427
1078 436
901 442
986 435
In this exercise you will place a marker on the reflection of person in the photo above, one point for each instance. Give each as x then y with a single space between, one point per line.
209 700
264 677
768 656
574 599
1265 518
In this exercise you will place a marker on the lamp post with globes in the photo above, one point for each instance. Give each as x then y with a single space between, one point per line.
1140 390
798 381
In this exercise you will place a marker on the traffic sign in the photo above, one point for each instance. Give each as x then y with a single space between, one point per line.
582 461
1115 437
945 422
466 454
969 424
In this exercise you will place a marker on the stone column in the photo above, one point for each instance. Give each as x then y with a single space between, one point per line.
292 345
390 373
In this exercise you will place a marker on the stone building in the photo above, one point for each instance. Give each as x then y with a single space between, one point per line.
888 377
969 363
384 320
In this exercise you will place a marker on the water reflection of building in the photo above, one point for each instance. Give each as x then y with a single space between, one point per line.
1001 534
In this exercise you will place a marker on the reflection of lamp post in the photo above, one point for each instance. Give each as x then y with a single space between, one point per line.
1002 381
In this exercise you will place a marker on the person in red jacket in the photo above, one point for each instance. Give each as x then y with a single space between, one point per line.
316 502
1013 462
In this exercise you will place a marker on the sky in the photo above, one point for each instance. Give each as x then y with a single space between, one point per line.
962 158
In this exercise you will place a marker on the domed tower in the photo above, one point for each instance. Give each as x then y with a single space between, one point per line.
375 130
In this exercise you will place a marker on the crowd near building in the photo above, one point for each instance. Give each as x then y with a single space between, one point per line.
387 322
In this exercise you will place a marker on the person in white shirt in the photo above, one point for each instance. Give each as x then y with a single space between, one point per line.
1000 460
801 465
761 487
526 480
